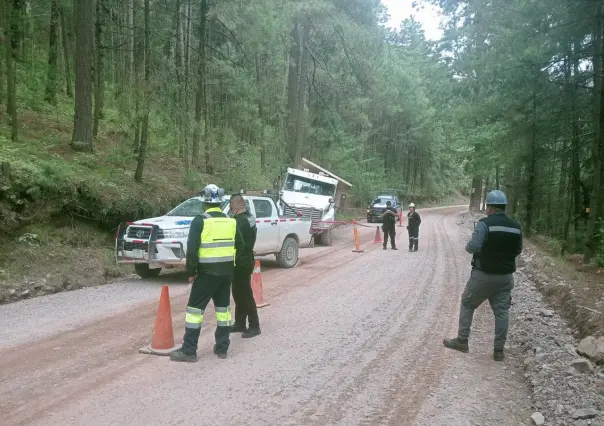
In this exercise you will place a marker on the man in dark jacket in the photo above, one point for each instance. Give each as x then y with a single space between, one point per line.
413 222
495 244
245 306
388 225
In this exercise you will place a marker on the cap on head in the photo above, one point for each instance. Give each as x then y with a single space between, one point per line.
412 205
496 198
211 194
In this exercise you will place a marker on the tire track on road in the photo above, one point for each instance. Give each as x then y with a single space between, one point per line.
345 387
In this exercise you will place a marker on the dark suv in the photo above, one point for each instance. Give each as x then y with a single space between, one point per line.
378 206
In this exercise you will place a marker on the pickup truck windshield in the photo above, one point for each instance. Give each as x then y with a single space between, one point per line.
382 200
191 207
308 186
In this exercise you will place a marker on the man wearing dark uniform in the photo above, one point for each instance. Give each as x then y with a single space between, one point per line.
413 222
245 306
388 225
495 244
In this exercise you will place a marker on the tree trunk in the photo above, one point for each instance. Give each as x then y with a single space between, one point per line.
532 171
82 129
142 152
138 64
131 47
296 93
484 194
11 58
65 42
3 42
53 54
597 148
476 194
99 75
178 94
200 95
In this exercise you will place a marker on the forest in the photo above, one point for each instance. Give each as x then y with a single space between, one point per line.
117 109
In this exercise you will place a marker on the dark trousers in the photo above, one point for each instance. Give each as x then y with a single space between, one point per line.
218 289
497 289
389 231
245 305
413 237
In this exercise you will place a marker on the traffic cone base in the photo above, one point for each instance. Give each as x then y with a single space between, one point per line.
162 342
257 286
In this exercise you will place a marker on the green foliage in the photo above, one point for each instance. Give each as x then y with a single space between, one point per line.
600 255
372 109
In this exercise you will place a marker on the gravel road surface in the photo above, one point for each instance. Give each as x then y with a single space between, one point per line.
348 339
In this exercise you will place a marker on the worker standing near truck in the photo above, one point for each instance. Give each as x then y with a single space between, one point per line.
413 222
210 262
388 225
245 305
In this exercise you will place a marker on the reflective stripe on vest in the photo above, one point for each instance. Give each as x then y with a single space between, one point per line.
505 229
217 239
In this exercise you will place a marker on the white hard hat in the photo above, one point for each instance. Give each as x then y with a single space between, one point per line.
212 194
412 205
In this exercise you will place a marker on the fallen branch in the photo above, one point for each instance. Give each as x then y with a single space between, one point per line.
591 310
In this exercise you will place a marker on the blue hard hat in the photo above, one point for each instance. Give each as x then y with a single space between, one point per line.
496 197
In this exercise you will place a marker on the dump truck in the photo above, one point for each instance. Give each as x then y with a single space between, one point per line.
314 193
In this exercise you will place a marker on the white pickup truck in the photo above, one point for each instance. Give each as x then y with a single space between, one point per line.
161 242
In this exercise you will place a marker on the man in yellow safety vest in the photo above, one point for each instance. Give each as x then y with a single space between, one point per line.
210 262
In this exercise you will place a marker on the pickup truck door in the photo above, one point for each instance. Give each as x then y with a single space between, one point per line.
267 222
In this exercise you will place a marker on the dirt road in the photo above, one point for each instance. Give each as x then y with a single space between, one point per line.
348 339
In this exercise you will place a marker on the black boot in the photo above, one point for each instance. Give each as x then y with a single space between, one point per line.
180 356
410 244
498 355
252 332
220 355
457 344
237 328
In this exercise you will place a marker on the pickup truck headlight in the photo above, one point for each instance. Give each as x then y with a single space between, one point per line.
176 233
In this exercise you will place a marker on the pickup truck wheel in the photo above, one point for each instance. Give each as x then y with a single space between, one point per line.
325 238
288 256
143 271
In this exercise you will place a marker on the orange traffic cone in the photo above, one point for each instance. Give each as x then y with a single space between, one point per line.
378 236
257 286
163 334
400 219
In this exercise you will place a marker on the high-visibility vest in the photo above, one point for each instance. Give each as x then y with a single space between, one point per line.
217 239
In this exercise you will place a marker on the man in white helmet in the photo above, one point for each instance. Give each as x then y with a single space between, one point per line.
413 222
210 263
495 244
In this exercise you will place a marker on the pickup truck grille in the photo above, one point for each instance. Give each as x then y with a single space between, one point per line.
140 233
